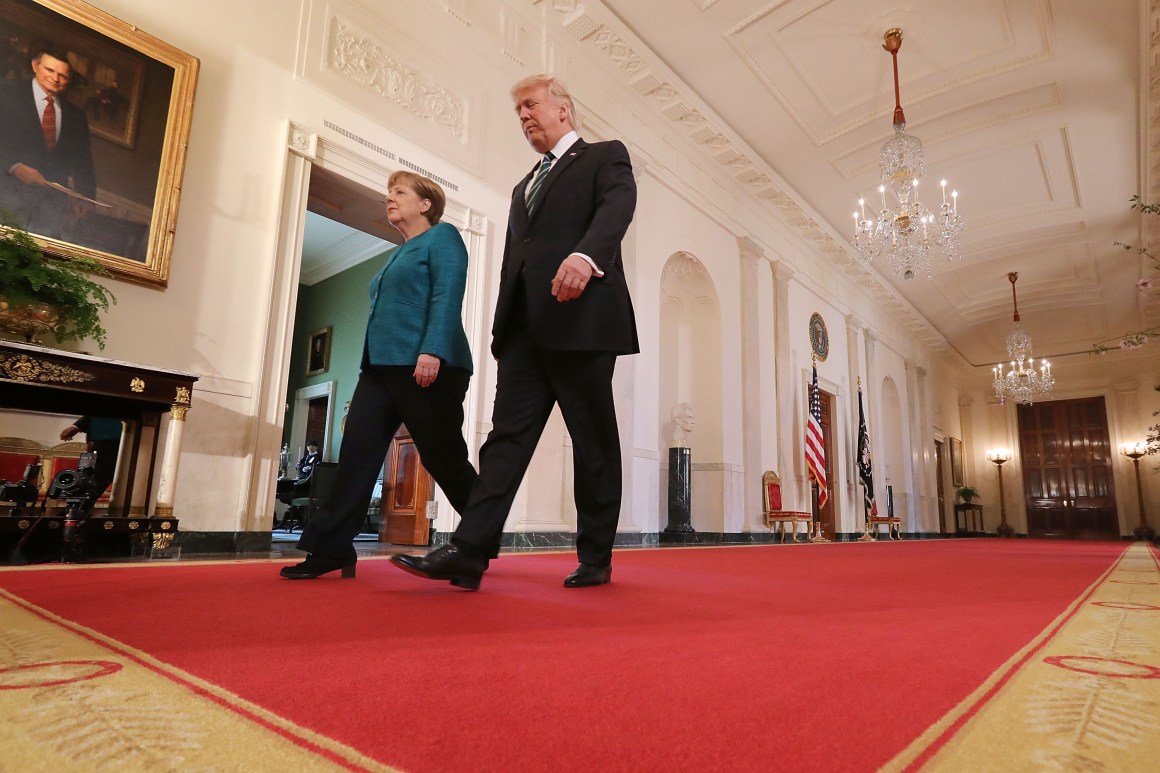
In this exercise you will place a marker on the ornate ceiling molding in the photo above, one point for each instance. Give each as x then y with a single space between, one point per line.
366 62
683 108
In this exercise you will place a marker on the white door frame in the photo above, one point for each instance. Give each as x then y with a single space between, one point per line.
305 149
302 400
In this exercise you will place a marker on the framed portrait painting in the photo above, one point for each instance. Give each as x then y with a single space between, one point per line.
100 177
318 352
956 461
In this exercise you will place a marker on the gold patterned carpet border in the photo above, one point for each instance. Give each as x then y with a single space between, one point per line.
1084 696
75 700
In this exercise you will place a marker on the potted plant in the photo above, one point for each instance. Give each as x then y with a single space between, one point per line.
967 493
40 295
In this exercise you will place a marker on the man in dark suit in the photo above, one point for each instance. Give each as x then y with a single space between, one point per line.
44 139
562 316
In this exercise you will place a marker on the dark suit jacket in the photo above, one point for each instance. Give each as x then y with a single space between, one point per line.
585 205
22 140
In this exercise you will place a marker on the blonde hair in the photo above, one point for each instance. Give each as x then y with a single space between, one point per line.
426 188
557 90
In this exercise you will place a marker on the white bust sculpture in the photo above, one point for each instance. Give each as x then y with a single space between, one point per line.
683 423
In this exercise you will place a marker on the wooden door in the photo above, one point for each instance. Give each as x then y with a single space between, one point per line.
316 411
1067 469
940 491
406 490
826 516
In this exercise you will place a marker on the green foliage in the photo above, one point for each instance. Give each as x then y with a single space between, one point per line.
26 276
967 493
1134 339
1153 438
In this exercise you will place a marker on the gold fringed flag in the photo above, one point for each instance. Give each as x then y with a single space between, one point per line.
865 470
816 443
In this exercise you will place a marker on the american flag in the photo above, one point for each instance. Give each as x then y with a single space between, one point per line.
865 469
816 443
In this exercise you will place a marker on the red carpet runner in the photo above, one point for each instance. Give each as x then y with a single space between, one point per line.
815 657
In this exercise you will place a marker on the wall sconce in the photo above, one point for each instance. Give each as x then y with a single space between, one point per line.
999 457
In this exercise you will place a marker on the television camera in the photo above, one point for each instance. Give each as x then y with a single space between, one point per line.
25 491
80 490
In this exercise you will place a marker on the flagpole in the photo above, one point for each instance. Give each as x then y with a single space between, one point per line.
866 535
817 536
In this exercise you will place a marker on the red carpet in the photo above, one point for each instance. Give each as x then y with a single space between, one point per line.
814 657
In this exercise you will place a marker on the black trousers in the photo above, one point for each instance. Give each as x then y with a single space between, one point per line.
530 381
106 465
385 398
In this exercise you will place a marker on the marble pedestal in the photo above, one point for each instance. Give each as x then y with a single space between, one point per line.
680 528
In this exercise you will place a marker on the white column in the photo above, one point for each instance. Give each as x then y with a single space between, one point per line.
624 382
926 468
873 416
752 257
914 458
855 522
785 385
167 485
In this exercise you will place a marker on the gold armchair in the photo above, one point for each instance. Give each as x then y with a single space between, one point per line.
771 508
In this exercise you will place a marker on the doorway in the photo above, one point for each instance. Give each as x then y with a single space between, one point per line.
940 489
329 180
312 418
827 519
1067 470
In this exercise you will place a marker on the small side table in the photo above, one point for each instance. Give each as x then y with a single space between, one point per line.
972 518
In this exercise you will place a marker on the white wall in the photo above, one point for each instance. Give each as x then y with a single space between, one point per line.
223 316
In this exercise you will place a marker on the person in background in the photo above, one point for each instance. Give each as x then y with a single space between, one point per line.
415 370
102 435
562 316
307 462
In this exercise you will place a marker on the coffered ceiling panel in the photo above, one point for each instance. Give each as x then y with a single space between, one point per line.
1030 108
823 61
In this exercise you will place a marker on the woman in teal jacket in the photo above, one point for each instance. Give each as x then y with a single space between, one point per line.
415 369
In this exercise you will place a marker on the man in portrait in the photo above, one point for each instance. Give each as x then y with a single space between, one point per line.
318 344
44 139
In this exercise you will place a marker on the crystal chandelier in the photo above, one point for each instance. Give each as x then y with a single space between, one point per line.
1023 383
910 231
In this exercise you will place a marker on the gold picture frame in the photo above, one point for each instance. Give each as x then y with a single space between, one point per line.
956 446
136 95
318 351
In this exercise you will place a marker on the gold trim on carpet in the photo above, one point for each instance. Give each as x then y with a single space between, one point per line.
75 700
1084 696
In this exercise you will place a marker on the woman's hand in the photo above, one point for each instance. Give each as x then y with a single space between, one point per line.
426 370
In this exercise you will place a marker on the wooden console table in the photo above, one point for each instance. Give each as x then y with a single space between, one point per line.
972 516
36 378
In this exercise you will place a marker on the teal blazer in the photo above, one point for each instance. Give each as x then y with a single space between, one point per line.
417 302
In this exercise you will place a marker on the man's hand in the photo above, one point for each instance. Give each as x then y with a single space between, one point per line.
29 176
426 370
69 432
571 279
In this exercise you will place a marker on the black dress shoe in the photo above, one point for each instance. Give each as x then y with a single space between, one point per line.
316 566
445 563
587 576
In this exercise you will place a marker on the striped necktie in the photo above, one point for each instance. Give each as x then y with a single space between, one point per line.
541 173
48 122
